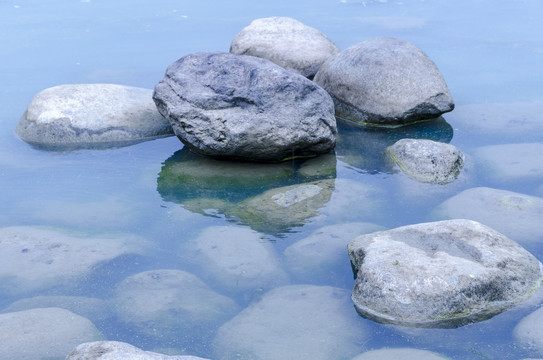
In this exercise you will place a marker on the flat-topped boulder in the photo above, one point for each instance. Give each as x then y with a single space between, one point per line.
243 107
286 42
116 350
441 274
385 82
91 116
426 160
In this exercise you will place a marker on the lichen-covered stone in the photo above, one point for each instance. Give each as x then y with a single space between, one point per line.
286 42
385 82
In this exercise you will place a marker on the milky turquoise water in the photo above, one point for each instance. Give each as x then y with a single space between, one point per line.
489 52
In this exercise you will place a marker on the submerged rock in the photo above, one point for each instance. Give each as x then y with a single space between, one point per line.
441 274
529 331
244 107
173 305
280 209
293 322
116 350
33 258
399 353
516 215
44 333
91 115
426 160
286 42
235 260
385 82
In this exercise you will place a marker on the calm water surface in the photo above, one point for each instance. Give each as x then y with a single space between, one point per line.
490 53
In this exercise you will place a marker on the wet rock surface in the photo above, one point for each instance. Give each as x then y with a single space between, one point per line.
440 274
529 331
116 350
287 42
385 82
244 107
399 353
91 116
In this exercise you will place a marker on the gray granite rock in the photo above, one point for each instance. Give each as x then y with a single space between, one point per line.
440 274
426 160
511 162
529 331
294 322
235 260
116 350
34 258
385 82
399 353
172 305
45 333
280 209
516 215
286 42
315 258
244 107
91 115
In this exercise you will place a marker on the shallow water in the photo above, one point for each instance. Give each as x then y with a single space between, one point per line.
489 52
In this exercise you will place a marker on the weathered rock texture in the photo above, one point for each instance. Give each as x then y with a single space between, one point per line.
91 115
426 160
244 107
286 42
44 333
115 350
385 82
441 274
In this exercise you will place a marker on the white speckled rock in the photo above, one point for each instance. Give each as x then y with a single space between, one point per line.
91 115
286 42
44 333
385 82
426 160
115 350
33 258
441 274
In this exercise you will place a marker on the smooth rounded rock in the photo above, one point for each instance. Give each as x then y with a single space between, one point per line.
244 107
385 82
286 42
441 274
91 115
44 333
400 353
116 350
293 322
530 331
426 160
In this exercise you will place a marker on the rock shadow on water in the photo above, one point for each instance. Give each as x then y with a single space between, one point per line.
271 198
363 147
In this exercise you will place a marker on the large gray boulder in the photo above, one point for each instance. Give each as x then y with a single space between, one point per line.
426 160
44 333
34 258
116 350
244 107
441 274
385 82
91 115
529 332
286 42
294 322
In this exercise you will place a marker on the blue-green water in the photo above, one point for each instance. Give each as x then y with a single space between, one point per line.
489 52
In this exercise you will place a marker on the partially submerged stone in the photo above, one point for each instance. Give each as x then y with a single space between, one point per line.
516 215
174 304
34 258
385 82
244 107
116 350
44 333
286 42
529 332
91 116
426 160
399 353
280 209
441 274
235 260
293 322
